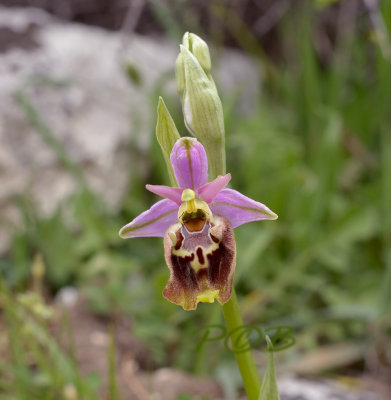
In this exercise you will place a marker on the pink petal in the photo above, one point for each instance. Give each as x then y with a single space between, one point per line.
239 209
173 194
188 159
153 222
209 191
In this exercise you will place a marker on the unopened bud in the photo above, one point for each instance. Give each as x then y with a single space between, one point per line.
199 49
203 111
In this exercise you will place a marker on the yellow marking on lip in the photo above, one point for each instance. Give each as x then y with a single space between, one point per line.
208 296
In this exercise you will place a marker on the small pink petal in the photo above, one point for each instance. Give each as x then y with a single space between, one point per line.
153 222
239 209
188 159
168 192
209 191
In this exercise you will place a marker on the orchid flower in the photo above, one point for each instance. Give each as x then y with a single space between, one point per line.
196 221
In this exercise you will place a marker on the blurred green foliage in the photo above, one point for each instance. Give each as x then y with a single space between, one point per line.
36 367
316 150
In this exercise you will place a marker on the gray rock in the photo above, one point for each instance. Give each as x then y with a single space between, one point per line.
73 76
67 297
294 388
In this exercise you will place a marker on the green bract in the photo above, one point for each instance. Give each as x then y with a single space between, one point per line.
202 108
167 134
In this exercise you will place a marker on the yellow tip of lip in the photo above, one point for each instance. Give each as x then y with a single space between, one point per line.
208 296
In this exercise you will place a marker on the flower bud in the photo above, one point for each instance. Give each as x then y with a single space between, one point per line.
167 135
202 108
200 50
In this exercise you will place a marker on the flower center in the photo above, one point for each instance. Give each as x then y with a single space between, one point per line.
193 211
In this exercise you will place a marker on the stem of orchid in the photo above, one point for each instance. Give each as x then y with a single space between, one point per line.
245 360
234 321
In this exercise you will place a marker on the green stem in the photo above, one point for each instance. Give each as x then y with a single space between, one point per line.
245 360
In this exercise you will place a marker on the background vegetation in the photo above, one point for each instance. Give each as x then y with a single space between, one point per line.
316 149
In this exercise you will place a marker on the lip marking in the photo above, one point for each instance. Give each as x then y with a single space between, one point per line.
200 256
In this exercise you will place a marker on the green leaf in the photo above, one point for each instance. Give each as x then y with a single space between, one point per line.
167 134
269 389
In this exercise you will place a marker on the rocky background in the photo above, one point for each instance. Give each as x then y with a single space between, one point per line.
71 80
79 82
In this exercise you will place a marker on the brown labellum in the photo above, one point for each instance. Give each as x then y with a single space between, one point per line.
201 256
